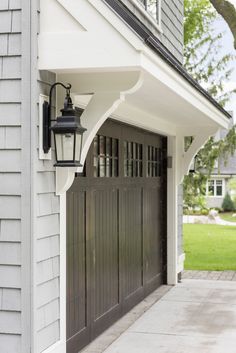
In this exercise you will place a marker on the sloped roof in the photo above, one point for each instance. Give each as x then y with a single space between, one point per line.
154 43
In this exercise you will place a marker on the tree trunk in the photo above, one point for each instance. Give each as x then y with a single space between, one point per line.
228 12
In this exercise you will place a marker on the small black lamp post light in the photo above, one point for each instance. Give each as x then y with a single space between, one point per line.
68 132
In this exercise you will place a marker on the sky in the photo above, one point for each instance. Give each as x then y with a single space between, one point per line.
233 2
228 47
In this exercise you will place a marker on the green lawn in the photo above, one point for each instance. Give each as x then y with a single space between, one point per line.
227 216
210 247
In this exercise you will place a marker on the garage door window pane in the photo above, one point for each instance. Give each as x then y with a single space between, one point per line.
153 162
105 156
115 148
133 159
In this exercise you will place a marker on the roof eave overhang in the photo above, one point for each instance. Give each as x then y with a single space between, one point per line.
154 43
79 48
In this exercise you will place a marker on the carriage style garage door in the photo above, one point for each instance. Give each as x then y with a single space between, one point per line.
116 230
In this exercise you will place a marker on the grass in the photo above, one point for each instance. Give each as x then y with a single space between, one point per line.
227 216
210 247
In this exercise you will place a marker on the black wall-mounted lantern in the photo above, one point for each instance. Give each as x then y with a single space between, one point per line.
68 132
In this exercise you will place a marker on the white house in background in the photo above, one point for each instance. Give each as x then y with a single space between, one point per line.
80 246
218 184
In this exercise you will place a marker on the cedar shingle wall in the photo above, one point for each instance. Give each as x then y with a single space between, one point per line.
171 24
44 210
47 243
10 176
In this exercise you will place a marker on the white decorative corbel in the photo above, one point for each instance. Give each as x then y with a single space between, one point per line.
200 138
108 91
100 107
64 179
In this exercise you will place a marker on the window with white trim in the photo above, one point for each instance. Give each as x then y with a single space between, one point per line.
215 187
153 7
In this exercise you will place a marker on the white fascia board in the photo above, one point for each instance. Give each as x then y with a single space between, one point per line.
156 66
194 130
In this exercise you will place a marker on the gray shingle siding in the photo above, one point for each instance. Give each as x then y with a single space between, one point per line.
10 299
10 230
172 12
4 5
47 271
47 319
47 242
10 277
48 335
228 168
27 191
172 26
10 177
10 343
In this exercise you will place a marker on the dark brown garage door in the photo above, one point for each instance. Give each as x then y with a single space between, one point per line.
116 230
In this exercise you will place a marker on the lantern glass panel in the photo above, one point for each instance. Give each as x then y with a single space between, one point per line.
65 146
78 143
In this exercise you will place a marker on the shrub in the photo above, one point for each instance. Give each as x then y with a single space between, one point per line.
219 209
234 201
228 204
204 212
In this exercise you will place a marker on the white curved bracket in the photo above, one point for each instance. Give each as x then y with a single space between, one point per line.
199 140
64 179
101 106
103 103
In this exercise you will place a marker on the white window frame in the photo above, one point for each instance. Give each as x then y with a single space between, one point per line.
155 22
215 186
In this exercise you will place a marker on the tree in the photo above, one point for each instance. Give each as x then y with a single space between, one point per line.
227 204
201 45
232 188
227 10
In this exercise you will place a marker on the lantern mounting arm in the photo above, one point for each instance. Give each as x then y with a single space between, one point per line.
47 106
67 88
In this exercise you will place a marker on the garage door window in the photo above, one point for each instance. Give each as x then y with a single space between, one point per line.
133 159
154 162
105 156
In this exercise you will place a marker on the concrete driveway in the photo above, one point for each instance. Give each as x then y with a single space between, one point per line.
196 316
